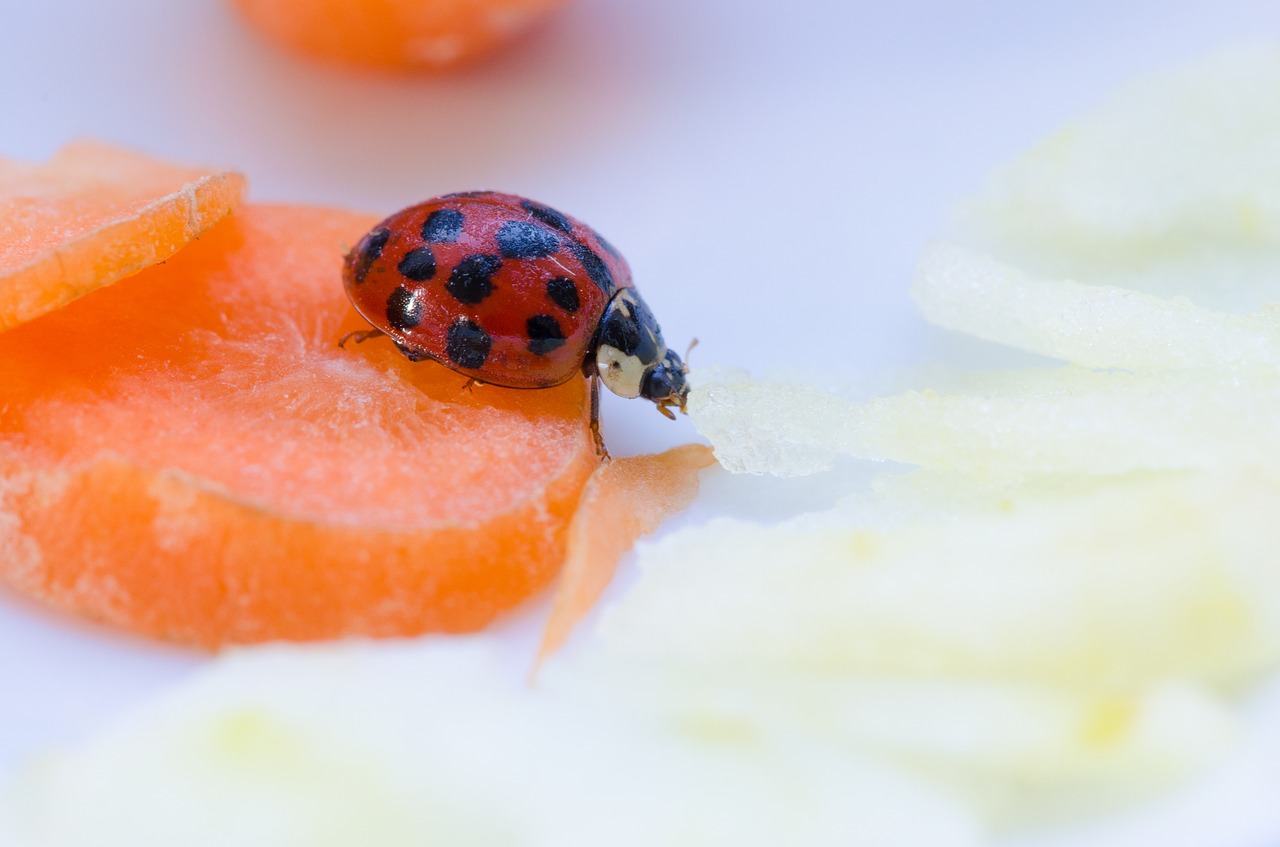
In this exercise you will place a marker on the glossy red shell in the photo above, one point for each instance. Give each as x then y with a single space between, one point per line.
498 262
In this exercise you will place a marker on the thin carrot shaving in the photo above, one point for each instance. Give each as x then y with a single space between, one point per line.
623 501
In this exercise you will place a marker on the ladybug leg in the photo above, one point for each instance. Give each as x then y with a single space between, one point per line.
467 386
411 354
601 450
360 335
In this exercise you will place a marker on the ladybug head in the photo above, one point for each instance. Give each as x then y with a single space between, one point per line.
665 384
633 360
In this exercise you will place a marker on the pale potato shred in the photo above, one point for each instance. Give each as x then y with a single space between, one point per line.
1103 528
1050 603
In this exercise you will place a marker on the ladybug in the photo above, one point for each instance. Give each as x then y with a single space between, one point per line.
513 293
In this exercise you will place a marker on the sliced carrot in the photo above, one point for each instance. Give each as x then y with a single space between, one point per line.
92 215
189 454
394 34
623 500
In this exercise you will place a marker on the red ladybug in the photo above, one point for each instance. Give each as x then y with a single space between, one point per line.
512 293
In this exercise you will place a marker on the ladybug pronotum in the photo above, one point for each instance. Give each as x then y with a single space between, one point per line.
513 293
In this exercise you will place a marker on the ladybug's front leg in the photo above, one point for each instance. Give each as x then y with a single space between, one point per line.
360 336
601 450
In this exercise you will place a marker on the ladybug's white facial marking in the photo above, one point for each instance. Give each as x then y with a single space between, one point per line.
622 374
630 344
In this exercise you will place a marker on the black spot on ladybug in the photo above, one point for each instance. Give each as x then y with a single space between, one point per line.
404 309
418 264
442 226
467 344
564 293
464 194
548 216
545 334
367 252
523 240
470 281
613 251
595 268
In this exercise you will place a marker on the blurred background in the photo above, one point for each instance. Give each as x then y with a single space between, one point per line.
771 171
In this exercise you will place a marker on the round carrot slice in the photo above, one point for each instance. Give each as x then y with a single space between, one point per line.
95 214
190 455
394 34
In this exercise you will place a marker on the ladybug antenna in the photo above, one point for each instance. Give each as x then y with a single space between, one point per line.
687 351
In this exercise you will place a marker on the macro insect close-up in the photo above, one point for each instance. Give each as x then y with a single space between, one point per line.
328 525
511 293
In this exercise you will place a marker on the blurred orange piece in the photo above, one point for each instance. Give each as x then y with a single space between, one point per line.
189 454
95 214
623 500
394 34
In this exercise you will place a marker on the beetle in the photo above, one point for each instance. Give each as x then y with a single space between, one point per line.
513 293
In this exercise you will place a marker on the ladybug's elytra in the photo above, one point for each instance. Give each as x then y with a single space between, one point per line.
512 293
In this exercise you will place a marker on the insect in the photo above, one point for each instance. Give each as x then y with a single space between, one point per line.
513 293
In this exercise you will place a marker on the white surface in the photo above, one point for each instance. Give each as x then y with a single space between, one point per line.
771 170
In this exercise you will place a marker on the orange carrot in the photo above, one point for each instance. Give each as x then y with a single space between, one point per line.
624 500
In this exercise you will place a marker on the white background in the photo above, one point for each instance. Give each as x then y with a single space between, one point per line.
771 170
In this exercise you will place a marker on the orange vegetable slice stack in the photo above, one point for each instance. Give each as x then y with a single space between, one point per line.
188 454
95 214
394 34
